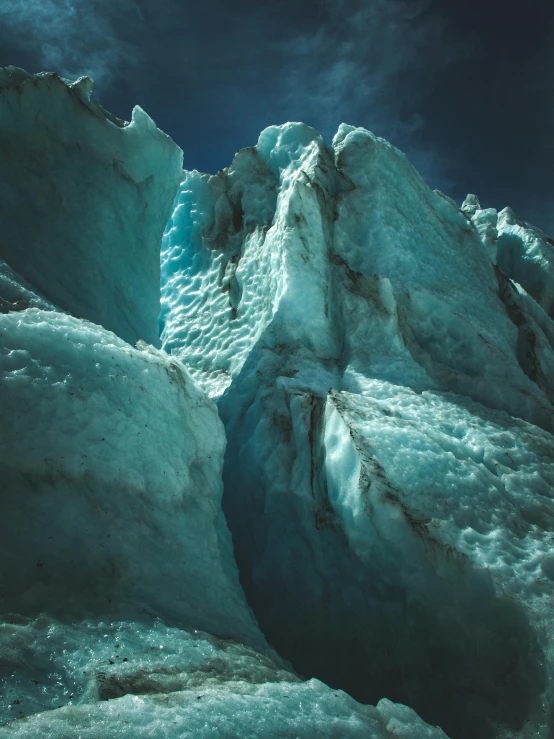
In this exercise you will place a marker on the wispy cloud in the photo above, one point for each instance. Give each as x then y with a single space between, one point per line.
75 37
372 64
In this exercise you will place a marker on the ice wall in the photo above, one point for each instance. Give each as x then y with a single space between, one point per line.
111 481
387 394
121 612
84 201
523 252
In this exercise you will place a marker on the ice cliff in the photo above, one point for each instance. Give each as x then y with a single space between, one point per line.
356 378
386 384
84 199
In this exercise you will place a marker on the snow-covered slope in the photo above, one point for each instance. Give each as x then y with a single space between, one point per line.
387 394
84 200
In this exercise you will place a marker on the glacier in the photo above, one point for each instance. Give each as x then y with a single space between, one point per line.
84 201
387 394
276 456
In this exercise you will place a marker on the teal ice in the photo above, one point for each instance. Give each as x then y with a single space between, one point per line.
296 482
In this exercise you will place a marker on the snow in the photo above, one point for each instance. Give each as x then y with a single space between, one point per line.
84 201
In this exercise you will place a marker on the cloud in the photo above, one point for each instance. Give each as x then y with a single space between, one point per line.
75 37
372 64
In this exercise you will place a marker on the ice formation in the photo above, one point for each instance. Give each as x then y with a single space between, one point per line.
121 610
383 362
85 198
137 679
523 252
356 377
111 463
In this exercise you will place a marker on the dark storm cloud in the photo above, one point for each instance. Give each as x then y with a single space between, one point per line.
491 115
464 88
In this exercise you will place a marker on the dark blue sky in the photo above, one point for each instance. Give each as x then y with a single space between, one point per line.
464 87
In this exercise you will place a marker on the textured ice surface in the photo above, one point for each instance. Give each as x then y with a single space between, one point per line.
387 393
84 198
16 294
344 253
121 609
136 679
110 476
110 470
523 252
526 255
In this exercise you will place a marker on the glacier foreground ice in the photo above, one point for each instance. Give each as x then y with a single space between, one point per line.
387 393
138 679
84 200
121 612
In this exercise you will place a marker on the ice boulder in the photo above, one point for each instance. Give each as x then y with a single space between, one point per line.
84 198
387 392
